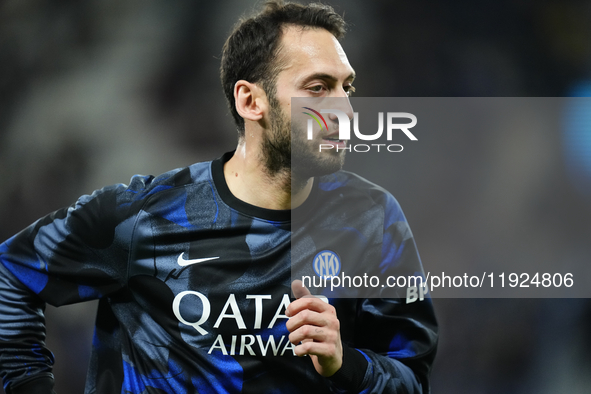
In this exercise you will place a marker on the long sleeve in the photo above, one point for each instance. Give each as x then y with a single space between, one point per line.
390 342
24 357
403 339
75 254
397 336
389 346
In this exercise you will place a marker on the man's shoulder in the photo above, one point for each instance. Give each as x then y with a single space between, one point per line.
356 192
178 177
346 181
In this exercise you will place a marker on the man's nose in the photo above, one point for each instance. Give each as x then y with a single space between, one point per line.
342 104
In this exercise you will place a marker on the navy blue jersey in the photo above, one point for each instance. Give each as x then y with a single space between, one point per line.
193 286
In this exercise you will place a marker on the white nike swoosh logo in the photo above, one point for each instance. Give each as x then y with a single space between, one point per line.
183 262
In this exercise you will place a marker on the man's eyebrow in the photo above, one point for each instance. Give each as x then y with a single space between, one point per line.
328 77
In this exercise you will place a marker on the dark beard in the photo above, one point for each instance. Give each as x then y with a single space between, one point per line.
287 152
276 151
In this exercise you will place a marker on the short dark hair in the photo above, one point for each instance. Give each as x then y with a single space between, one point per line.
251 51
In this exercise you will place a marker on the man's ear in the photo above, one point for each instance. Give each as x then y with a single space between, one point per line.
251 100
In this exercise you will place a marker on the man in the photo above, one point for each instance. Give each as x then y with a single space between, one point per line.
192 268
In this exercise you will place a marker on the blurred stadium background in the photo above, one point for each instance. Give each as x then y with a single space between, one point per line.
92 92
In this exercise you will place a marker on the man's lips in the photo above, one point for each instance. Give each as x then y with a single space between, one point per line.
334 137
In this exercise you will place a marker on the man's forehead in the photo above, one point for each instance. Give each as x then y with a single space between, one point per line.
303 45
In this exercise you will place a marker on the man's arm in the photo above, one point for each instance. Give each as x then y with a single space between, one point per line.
388 345
75 254
22 339
398 338
403 339
399 341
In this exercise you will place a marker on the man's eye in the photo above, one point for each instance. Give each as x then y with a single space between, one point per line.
349 89
316 88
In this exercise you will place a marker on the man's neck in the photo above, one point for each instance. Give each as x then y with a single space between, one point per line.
250 181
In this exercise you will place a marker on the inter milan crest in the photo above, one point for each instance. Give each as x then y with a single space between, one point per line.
327 264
